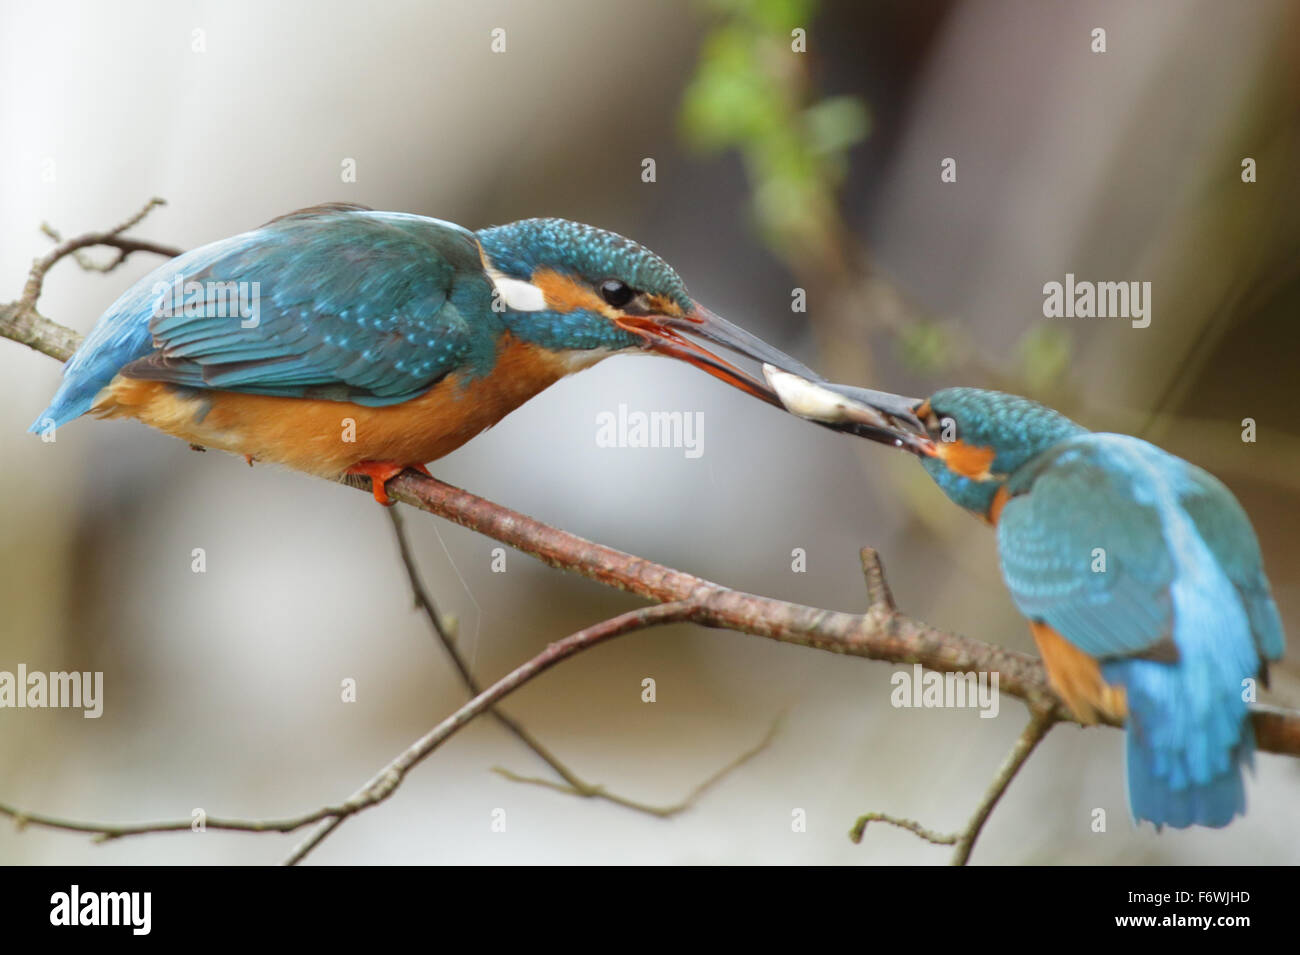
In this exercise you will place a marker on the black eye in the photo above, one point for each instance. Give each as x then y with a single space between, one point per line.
617 293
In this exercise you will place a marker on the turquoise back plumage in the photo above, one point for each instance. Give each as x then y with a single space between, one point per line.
352 305
1148 564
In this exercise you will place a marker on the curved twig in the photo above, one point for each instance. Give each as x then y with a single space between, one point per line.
881 633
572 783
665 812
385 782
911 825
382 785
1040 721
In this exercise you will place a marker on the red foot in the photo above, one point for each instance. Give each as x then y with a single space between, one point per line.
380 473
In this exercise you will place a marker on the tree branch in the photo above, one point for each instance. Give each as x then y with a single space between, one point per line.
1040 722
385 782
692 797
881 633
878 634
911 825
19 319
573 784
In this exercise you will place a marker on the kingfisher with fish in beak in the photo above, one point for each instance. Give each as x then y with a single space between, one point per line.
369 342
1166 634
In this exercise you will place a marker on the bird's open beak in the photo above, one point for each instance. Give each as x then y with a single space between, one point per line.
875 415
664 334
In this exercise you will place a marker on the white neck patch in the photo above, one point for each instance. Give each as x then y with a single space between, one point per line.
518 295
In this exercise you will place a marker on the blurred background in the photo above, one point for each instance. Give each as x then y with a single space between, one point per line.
775 170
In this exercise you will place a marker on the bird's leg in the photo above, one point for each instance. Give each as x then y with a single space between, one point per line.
380 473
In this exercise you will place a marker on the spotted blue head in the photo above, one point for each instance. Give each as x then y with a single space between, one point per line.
981 438
565 285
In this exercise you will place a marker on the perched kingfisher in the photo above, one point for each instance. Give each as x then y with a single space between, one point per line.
340 340
1139 573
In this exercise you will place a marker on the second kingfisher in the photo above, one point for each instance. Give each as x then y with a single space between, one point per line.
1139 574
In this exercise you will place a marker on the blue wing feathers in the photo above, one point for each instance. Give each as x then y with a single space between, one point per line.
1181 564
1226 530
1078 517
121 335
358 305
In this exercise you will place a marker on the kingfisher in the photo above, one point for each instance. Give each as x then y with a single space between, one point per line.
1139 573
340 340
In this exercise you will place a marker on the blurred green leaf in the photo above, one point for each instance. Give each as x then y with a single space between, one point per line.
771 14
836 124
729 102
924 347
1044 353
750 93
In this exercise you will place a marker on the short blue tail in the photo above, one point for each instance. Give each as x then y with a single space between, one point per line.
1189 740
78 389
122 335
1215 802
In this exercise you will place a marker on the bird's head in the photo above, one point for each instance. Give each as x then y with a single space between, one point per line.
572 287
971 441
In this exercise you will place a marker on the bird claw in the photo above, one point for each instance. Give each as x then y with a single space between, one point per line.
380 473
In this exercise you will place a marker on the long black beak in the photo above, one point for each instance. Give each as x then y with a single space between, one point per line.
664 334
875 415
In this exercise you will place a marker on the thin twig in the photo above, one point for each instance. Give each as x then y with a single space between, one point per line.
109 237
382 785
692 797
911 825
385 782
424 602
1040 722
882 633
876 635
123 246
573 784
107 831
21 322
878 592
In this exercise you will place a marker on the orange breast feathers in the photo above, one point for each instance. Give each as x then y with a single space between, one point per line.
969 460
1000 498
328 437
1076 678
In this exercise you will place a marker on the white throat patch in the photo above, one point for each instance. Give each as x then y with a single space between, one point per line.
518 295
